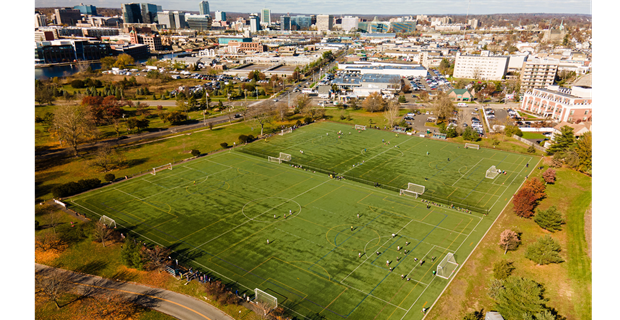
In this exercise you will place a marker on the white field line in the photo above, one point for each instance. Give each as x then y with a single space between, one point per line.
471 253
259 215
467 171
378 154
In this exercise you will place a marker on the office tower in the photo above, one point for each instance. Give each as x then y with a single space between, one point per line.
67 16
265 17
86 9
203 7
220 16
254 22
324 22
285 23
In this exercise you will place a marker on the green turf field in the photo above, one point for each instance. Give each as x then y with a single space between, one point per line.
217 213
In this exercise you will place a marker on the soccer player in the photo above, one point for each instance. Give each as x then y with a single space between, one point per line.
285 216
387 263
358 215
448 159
434 272
351 228
527 165
393 235
407 243
290 212
427 153
377 252
402 276
359 254
274 216
267 241
398 248
194 182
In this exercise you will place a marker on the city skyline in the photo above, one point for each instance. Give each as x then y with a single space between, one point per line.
389 7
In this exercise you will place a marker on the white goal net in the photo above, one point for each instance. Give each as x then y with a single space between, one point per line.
447 266
419 189
408 193
109 222
472 146
265 301
274 159
285 131
360 127
492 172
160 168
285 156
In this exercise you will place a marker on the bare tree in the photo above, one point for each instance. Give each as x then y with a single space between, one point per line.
509 240
54 219
73 125
262 114
106 158
102 232
391 112
52 285
282 109
157 257
303 103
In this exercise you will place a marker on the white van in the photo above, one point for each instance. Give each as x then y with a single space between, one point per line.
461 104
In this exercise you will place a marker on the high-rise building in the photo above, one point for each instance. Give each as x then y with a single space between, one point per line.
203 8
538 73
132 13
350 23
220 16
172 19
481 67
301 22
324 22
149 13
86 9
39 20
265 17
198 22
68 16
254 22
285 23
473 23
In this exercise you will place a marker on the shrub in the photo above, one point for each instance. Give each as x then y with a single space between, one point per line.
131 254
243 138
502 269
495 142
402 99
531 149
298 123
511 130
224 145
36 225
474 315
71 188
342 117
77 84
109 177
307 120
195 153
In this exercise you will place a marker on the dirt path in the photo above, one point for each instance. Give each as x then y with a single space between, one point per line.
588 229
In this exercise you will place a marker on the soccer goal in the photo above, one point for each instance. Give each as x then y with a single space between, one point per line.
109 222
285 156
274 159
408 193
447 266
266 301
492 172
419 189
360 127
472 146
285 131
160 168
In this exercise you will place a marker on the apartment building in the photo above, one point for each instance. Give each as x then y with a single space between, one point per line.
538 73
482 67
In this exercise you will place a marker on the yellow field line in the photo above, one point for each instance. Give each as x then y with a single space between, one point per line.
284 284
322 196
451 193
345 289
257 266
428 214
368 195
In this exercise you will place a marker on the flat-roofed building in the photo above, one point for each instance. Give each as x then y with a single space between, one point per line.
324 22
403 70
537 73
68 16
482 67
362 85
198 22
562 104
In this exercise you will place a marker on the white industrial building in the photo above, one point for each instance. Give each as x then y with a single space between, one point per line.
403 70
483 66
362 85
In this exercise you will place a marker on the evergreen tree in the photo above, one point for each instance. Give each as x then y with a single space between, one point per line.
520 296
502 269
550 219
131 254
544 251
563 141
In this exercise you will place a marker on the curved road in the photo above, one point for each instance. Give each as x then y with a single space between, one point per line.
172 303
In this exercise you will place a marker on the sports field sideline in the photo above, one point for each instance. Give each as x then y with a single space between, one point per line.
217 213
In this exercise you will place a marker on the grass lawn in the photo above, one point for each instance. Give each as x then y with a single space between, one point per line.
217 212
533 135
568 285
527 116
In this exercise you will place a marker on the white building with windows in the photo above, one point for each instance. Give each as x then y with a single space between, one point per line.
483 66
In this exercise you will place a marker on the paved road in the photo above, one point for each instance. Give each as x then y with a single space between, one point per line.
172 303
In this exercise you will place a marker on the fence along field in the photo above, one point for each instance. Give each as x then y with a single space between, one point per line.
217 213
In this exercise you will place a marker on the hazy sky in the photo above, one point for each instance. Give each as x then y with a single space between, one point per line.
359 6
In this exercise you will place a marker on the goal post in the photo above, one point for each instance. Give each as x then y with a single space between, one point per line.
285 156
160 168
472 146
274 159
285 131
491 173
419 189
447 266
360 127
408 193
109 222
266 301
